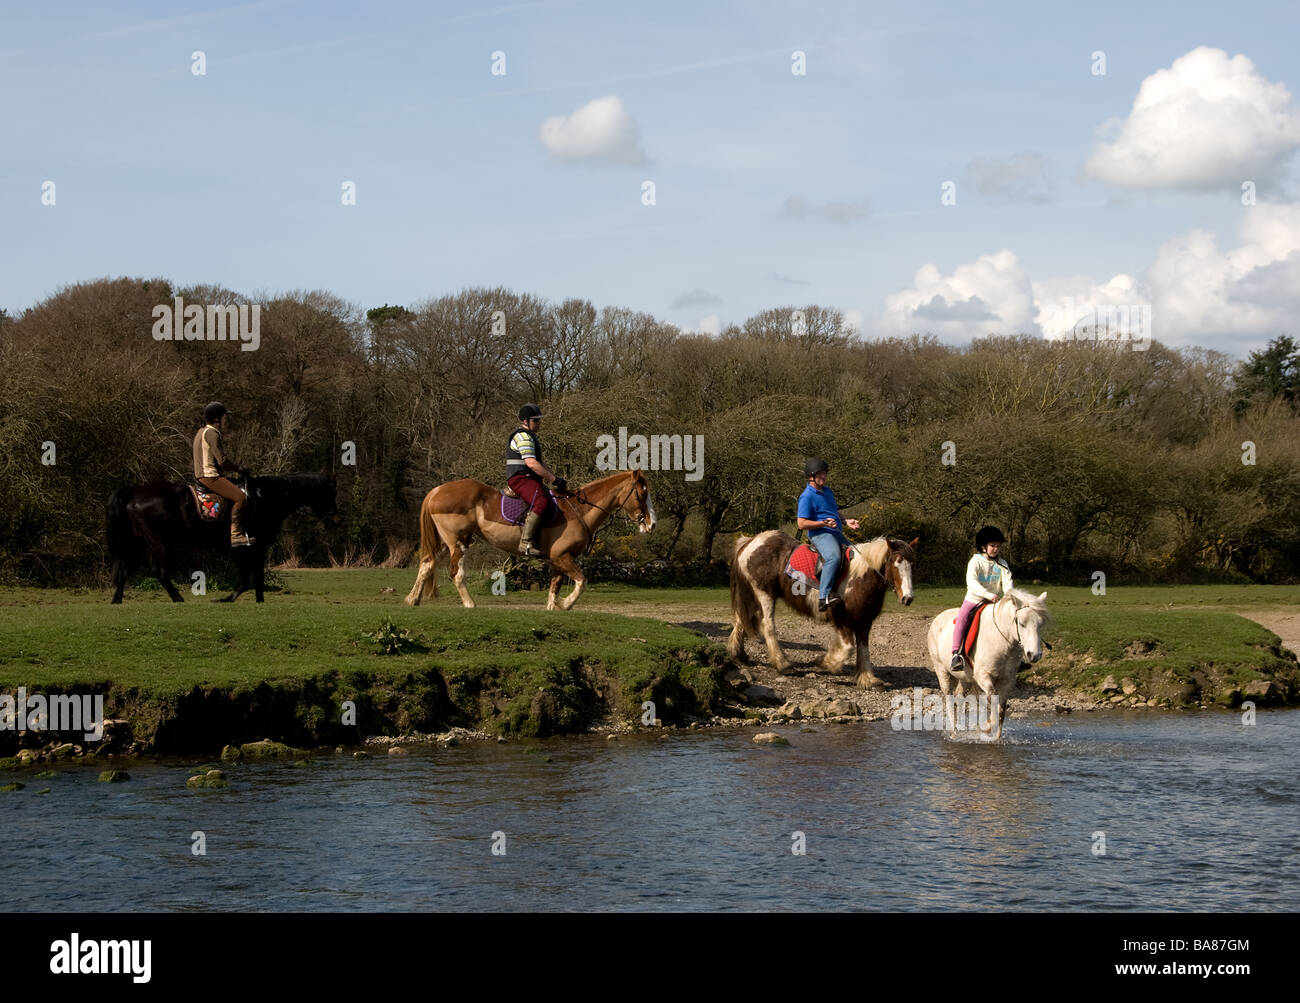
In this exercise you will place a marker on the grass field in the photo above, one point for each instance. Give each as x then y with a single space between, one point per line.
511 666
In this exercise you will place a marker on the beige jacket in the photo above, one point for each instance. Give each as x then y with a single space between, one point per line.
208 456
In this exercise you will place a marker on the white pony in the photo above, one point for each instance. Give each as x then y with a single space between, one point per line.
1010 633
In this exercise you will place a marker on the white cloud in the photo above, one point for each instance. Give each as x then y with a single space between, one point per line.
1251 291
991 295
1198 294
853 320
1208 121
712 324
599 130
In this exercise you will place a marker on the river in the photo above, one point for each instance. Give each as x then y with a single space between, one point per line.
1198 812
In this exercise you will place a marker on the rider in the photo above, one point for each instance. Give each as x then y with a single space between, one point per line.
820 516
987 577
209 461
527 475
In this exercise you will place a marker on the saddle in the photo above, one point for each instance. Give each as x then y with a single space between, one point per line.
805 565
514 509
968 646
210 505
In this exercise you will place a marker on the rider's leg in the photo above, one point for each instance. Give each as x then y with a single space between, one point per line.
959 633
223 487
828 545
532 491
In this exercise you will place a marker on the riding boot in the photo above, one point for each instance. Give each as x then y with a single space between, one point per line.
526 545
238 538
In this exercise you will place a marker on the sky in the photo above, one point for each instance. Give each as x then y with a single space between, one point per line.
940 168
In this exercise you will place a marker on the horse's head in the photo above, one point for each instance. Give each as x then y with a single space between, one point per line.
1032 620
637 503
899 574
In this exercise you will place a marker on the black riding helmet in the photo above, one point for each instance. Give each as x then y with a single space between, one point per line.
989 534
815 465
214 412
529 411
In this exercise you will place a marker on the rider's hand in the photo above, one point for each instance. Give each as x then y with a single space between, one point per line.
853 523
828 522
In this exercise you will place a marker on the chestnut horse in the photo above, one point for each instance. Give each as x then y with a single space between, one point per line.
758 580
453 514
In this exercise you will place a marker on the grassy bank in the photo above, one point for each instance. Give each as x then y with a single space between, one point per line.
194 676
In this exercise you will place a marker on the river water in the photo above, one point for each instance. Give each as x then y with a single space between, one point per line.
1198 811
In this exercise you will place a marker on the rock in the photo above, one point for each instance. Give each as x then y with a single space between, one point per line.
64 751
48 773
1108 685
11 763
1228 697
761 694
1128 686
770 738
1118 698
842 707
738 675
396 750
360 755
231 754
266 749
114 776
44 791
1062 709
611 738
789 709
215 774
28 755
449 741
1260 689
15 786
213 779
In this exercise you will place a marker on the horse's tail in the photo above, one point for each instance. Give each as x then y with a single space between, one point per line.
121 537
744 605
426 581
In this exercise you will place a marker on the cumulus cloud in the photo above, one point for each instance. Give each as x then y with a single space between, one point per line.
599 130
1192 293
696 298
829 212
1206 122
712 324
990 295
1024 177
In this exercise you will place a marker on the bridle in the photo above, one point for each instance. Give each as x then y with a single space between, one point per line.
616 507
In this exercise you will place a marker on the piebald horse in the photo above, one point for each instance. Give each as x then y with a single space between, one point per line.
1010 633
758 580
455 513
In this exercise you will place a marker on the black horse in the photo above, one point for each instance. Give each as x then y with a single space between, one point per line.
159 522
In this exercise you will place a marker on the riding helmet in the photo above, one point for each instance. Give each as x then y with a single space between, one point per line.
213 413
815 465
989 534
529 411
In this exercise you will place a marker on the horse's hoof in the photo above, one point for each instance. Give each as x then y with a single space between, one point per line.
870 683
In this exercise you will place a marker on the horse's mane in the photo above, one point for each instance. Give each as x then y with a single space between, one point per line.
1031 601
283 482
874 553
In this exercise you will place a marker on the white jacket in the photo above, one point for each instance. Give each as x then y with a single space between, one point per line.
987 578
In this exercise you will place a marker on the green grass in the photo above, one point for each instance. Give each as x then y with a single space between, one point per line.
281 668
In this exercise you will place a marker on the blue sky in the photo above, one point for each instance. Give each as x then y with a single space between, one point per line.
770 188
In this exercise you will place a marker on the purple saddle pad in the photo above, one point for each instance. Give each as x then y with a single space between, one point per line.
515 510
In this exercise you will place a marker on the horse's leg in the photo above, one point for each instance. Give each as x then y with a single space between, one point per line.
554 593
767 609
426 580
119 579
158 556
569 566
456 548
245 573
261 575
736 642
866 678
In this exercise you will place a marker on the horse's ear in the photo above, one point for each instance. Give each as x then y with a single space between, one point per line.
915 541
1042 597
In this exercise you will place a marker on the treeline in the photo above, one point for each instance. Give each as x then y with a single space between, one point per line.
1147 465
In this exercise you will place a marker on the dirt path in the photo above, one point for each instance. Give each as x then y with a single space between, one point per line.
898 653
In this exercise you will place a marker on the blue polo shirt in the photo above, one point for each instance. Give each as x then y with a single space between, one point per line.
814 504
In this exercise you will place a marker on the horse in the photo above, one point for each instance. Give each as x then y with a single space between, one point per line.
758 580
158 521
455 513
1010 634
